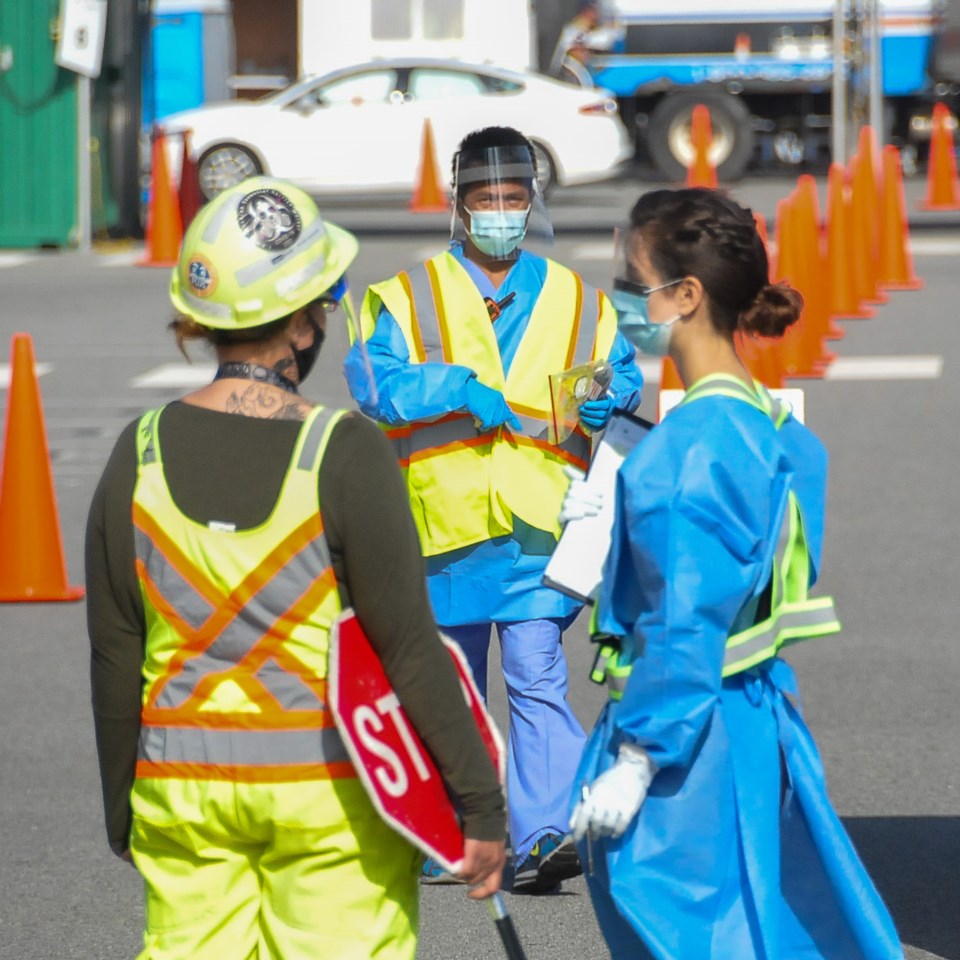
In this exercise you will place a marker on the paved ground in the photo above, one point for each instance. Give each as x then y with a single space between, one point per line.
881 698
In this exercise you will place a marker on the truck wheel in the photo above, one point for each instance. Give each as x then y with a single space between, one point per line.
668 133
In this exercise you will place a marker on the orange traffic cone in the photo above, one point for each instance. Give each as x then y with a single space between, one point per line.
896 261
800 348
844 301
943 190
701 172
669 380
865 223
761 357
164 226
820 268
191 200
810 276
428 195
32 566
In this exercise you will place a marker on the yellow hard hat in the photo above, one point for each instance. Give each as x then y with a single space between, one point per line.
255 253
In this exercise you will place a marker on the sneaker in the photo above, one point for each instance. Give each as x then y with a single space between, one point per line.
552 860
435 873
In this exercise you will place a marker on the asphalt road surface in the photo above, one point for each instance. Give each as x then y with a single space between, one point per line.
881 698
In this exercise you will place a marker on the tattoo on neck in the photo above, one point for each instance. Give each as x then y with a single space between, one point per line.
266 403
285 366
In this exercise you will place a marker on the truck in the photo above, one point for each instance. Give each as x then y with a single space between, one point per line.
766 75
765 71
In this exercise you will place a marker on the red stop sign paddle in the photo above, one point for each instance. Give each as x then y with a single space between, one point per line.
395 767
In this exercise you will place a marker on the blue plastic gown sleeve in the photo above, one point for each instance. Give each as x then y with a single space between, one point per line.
692 539
627 378
406 391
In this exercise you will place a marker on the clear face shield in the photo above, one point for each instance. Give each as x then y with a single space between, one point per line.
498 201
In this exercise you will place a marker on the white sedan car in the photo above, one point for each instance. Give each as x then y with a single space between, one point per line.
360 129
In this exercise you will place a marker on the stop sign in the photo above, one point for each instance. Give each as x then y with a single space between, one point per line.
395 767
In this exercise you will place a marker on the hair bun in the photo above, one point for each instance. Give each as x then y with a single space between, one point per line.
775 307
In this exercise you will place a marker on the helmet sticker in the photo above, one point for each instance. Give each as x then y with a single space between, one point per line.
269 219
202 276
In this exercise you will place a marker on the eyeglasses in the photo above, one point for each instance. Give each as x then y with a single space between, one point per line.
326 304
641 289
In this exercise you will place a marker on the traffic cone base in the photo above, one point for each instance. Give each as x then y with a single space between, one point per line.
32 566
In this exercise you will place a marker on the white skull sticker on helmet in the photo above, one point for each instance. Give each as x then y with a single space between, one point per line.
269 219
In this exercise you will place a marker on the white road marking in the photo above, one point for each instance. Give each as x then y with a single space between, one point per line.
14 259
170 375
886 368
39 368
853 368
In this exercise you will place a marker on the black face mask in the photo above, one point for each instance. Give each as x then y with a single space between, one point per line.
307 357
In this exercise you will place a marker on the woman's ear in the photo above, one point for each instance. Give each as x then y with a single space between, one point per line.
690 295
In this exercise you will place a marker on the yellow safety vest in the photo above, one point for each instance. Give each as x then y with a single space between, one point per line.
237 628
465 486
794 615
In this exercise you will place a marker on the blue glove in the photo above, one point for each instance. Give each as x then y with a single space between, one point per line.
489 408
595 414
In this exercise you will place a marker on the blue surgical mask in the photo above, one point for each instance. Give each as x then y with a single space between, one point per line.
652 339
498 232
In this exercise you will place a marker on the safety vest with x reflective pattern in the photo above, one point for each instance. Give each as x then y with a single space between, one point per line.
793 614
237 627
465 486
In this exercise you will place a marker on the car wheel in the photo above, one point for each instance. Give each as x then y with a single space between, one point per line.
225 165
546 170
668 133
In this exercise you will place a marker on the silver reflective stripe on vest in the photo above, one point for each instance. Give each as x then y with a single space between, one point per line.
287 688
432 435
785 624
248 626
192 608
311 443
248 747
589 318
425 313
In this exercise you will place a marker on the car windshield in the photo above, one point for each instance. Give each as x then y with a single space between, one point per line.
369 85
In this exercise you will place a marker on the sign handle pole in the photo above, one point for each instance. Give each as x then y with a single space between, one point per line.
508 932
84 90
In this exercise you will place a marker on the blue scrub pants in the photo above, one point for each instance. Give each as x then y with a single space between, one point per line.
545 739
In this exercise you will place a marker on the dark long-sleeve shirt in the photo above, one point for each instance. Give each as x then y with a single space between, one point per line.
226 467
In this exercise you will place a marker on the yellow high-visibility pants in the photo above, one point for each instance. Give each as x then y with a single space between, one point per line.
272 872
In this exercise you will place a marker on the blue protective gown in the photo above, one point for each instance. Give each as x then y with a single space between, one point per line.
499 581
736 852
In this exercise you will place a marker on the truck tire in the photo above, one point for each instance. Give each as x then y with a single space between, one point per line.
668 133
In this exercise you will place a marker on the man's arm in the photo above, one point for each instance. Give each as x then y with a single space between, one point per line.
406 391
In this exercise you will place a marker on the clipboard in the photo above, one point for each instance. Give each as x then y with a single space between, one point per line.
575 567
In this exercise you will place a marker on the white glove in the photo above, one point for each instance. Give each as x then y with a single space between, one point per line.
616 796
580 500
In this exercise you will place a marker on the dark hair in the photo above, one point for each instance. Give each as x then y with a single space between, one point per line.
705 234
488 137
186 328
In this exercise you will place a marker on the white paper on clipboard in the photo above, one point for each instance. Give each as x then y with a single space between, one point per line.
576 565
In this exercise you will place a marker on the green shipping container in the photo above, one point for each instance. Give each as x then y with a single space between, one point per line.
38 132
